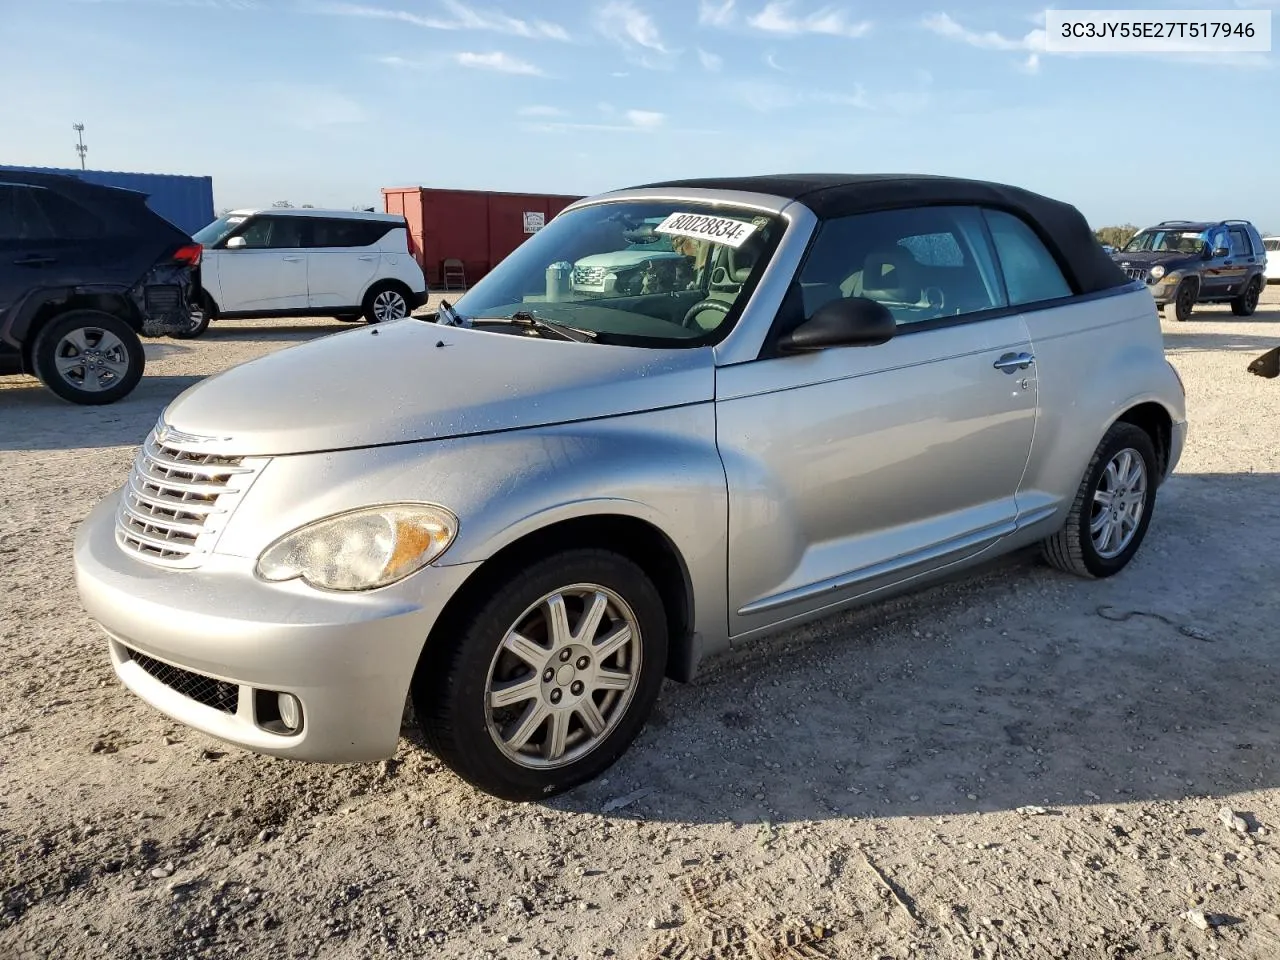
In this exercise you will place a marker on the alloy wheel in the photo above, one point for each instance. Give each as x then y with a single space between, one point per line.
1118 503
389 305
563 676
91 359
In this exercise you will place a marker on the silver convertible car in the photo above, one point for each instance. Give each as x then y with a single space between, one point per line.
525 515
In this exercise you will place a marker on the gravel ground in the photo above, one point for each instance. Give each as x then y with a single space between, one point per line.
1016 765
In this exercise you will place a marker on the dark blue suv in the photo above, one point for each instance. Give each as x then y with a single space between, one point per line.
84 270
1185 262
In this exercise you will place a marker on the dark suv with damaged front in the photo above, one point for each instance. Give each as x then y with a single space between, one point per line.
85 270
1186 262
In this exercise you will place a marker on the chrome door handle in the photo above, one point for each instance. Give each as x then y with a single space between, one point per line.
368 258
1014 361
292 259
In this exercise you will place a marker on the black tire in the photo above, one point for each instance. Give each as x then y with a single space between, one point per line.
1184 300
199 324
94 327
1072 549
451 684
377 293
1245 304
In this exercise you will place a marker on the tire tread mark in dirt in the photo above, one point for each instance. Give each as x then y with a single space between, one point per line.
726 937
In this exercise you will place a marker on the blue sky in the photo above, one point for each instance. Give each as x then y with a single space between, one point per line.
324 102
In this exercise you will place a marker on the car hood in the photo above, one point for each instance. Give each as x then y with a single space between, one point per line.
624 258
1148 258
414 380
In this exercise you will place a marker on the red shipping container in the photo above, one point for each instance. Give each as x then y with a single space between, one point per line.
478 227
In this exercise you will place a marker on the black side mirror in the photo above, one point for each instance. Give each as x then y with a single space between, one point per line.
852 322
1222 252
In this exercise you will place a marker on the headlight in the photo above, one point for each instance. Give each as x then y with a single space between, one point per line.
363 549
1157 272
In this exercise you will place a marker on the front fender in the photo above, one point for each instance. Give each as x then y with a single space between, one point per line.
660 467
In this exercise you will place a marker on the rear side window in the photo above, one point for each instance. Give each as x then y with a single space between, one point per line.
20 215
1031 275
1240 245
348 233
924 263
69 220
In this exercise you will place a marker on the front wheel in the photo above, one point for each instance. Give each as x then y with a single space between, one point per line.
89 357
1184 301
549 681
1112 508
1245 304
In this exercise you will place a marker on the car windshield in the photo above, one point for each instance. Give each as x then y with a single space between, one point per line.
209 235
651 273
1168 241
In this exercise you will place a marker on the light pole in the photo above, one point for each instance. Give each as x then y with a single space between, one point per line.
80 147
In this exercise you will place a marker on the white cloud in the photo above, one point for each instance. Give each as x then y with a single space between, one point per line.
710 62
540 110
462 17
771 62
313 108
776 17
767 97
498 62
628 121
715 14
1031 64
625 23
646 119
944 26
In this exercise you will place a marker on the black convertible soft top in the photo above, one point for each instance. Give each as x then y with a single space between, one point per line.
1060 225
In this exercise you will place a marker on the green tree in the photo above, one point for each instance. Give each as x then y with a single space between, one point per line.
1116 236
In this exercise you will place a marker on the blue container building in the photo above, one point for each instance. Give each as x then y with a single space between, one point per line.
185 201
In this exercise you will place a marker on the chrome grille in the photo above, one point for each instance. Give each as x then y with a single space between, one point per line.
1136 273
589 276
177 501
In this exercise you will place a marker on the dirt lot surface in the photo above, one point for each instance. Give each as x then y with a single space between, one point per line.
1018 765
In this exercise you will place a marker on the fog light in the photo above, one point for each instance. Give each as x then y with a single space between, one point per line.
290 711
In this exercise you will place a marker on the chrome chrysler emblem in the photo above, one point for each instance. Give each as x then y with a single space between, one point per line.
167 434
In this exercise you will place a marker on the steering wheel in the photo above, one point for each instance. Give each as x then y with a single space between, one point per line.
933 296
699 307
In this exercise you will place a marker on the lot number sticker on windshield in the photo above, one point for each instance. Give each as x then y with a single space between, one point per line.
699 226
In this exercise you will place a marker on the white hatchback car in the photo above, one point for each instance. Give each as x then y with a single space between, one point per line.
283 262
1272 247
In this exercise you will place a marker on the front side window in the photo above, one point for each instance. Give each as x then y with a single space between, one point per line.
1031 274
651 273
273 233
923 264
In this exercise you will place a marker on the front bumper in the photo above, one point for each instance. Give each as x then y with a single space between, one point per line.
1177 441
347 658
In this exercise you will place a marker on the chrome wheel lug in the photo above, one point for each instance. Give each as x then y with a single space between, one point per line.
565 655
548 676
583 663
577 688
555 696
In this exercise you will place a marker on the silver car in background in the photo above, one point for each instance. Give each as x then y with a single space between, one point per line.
525 515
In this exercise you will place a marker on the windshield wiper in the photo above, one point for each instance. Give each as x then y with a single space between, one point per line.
522 318
449 317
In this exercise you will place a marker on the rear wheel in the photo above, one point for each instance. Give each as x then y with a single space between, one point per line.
549 681
89 357
1247 302
1184 300
386 302
1112 509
